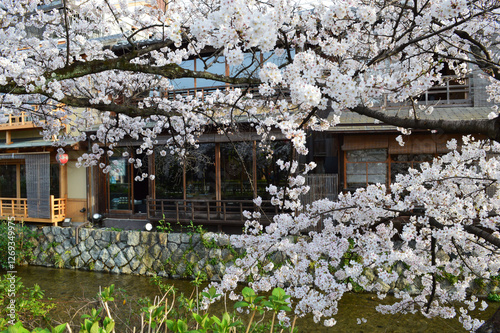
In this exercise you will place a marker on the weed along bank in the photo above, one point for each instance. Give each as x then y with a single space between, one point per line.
174 255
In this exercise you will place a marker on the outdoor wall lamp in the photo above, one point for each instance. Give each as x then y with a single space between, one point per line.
96 219
148 226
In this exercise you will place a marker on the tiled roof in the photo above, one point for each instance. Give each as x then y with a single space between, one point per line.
353 122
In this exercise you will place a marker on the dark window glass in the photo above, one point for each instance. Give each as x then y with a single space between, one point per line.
54 180
8 181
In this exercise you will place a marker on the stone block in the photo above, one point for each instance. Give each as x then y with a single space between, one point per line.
129 253
89 243
126 270
110 263
106 235
67 244
99 266
104 255
96 234
184 247
174 238
47 231
133 238
59 249
134 263
123 236
177 255
85 256
113 250
185 238
172 247
140 250
59 238
84 234
141 270
147 260
120 260
162 238
74 252
95 253
145 237
165 255
155 251
102 243
195 239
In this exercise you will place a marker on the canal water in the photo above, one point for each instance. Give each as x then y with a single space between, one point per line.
70 289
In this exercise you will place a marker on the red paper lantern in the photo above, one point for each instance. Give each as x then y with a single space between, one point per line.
62 158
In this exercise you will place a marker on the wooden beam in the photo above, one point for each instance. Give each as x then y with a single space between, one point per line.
8 138
63 181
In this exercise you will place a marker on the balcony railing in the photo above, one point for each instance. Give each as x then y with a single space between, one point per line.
210 212
18 208
21 121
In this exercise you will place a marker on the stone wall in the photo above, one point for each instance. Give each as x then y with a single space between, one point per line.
173 255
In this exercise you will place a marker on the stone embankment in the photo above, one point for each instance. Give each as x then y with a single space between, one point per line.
173 255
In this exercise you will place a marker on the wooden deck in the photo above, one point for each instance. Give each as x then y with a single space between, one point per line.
18 208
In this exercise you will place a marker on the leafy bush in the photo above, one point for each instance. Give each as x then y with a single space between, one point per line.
27 303
21 237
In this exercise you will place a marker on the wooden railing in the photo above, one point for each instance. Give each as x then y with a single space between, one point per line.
23 120
18 208
216 212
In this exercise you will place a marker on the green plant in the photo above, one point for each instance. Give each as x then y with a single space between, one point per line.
20 303
16 244
276 302
164 226
494 297
58 260
18 328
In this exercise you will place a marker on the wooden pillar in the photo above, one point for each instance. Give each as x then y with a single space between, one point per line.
8 138
345 170
63 181
254 168
218 185
195 71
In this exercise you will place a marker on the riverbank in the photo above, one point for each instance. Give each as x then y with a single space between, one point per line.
175 255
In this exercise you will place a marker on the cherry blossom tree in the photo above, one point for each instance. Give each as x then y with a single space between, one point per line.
97 63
